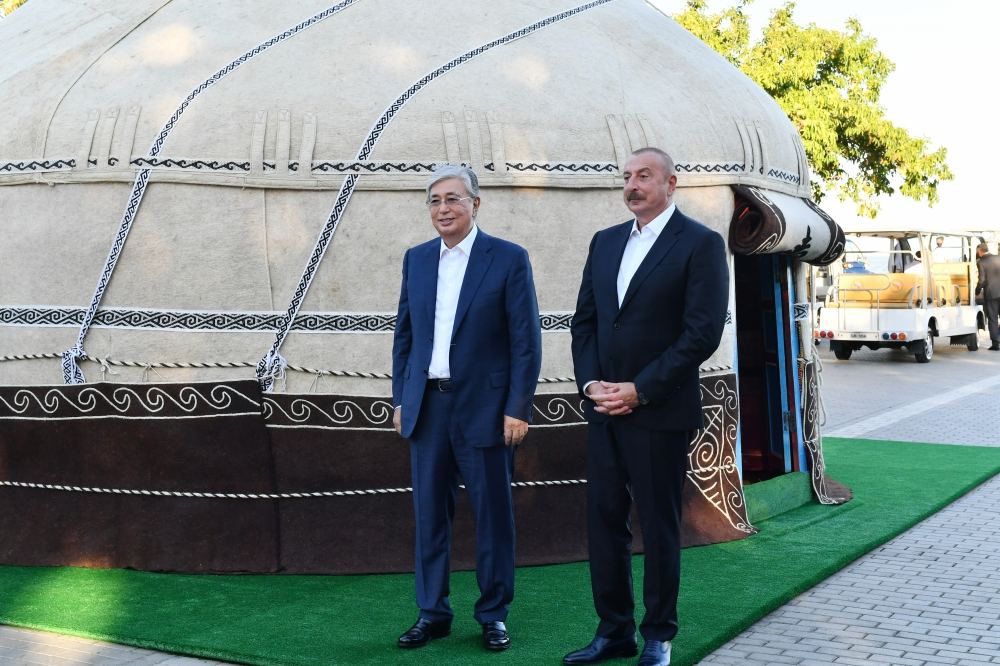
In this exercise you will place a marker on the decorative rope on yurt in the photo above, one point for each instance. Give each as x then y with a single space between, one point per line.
257 496
172 365
71 369
272 365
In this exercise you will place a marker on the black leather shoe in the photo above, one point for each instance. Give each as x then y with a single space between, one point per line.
495 636
656 653
994 347
423 631
602 648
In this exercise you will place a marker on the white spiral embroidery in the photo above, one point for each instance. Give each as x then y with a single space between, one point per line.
121 399
341 412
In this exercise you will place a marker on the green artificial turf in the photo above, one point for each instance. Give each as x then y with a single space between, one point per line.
778 495
356 619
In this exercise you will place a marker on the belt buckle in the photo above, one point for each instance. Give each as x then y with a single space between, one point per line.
444 385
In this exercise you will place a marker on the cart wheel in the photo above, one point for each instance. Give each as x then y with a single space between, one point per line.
925 351
841 351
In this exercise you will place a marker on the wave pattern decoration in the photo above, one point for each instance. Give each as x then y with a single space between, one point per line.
103 400
293 411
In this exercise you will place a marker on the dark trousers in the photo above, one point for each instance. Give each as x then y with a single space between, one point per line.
991 308
626 463
438 457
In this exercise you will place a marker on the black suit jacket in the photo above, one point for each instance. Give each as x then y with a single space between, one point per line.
989 276
670 321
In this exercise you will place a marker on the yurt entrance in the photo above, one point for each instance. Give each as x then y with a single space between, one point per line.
768 390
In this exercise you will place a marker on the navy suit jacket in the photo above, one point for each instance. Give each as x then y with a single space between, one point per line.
496 344
670 321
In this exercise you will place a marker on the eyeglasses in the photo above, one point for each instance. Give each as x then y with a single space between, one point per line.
448 201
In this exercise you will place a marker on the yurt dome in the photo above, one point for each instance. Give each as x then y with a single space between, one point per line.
180 179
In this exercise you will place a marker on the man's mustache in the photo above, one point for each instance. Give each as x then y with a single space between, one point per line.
634 196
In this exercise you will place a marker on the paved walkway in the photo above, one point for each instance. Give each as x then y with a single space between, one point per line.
930 596
35 648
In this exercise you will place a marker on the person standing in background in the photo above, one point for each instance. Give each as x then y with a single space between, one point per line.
989 284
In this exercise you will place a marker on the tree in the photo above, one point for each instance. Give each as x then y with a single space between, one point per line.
7 6
829 83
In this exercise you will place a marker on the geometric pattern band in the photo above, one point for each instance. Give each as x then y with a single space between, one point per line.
339 167
200 320
715 167
205 320
22 166
271 365
612 167
784 176
558 167
71 369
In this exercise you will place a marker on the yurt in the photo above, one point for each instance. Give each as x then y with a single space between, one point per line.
204 209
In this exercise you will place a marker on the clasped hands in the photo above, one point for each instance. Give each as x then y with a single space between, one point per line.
613 398
514 430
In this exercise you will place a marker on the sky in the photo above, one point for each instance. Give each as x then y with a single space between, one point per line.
946 57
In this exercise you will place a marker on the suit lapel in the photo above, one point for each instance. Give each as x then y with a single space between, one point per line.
611 263
668 238
479 262
427 277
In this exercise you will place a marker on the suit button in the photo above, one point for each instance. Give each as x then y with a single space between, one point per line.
618 325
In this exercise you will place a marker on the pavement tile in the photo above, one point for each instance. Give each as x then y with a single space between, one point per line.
965 656
852 661
895 660
938 659
765 658
993 654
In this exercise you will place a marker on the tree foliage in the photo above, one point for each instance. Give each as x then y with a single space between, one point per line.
7 6
829 83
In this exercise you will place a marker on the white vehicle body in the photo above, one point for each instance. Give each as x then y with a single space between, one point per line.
903 289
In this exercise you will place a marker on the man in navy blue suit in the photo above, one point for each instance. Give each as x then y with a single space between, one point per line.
651 308
465 362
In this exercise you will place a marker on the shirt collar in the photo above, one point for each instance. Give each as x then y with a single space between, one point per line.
658 223
465 246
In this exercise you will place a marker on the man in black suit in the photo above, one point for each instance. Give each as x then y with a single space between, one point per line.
989 284
651 309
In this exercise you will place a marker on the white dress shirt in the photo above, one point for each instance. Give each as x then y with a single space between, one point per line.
637 247
451 272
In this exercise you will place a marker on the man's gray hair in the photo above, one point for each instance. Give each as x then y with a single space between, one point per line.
463 173
983 247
